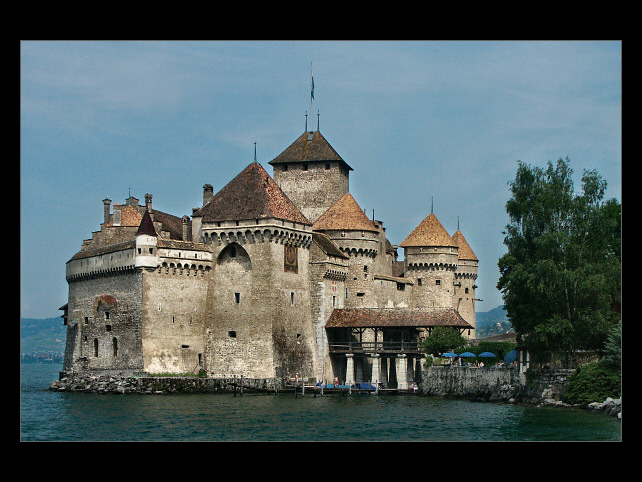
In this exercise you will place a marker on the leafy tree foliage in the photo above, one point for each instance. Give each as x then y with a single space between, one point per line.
561 277
442 339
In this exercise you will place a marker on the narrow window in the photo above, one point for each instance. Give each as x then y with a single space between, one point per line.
285 167
466 290
237 298
108 327
200 359
115 346
363 234
327 166
334 301
343 234
365 268
305 167
232 251
138 250
292 297
151 250
106 315
418 281
96 347
86 320
346 293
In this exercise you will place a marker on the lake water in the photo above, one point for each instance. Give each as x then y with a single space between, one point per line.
54 416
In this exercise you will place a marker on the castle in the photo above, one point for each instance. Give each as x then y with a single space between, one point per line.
271 277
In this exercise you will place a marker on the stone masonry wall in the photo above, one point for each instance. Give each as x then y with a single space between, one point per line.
104 323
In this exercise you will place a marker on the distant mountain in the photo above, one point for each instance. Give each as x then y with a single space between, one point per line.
493 322
42 336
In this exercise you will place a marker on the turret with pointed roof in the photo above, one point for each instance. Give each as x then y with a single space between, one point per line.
465 280
312 174
430 259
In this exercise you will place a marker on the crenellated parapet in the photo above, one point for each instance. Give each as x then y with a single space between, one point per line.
257 234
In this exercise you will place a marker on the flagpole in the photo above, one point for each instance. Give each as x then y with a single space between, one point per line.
311 93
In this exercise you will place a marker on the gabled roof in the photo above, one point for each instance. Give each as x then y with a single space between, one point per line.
396 317
430 232
252 194
345 214
309 147
465 251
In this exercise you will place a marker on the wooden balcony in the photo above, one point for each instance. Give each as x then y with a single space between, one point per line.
371 347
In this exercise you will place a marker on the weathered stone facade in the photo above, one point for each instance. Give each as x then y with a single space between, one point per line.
246 285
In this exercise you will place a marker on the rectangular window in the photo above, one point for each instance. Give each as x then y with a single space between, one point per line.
437 282
106 315
292 297
418 281
231 334
237 298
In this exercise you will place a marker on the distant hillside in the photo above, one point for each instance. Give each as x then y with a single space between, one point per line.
42 336
493 322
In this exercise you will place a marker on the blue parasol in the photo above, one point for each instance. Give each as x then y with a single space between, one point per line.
487 354
467 354
510 357
450 354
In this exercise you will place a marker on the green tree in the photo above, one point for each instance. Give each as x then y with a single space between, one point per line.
442 339
561 277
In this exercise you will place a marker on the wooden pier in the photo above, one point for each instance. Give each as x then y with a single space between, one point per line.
315 390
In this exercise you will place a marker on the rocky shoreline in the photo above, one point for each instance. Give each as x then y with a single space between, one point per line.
120 383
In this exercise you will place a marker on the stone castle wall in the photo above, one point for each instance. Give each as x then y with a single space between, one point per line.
313 187
104 322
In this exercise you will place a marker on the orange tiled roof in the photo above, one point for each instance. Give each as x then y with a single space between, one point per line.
345 214
430 232
465 251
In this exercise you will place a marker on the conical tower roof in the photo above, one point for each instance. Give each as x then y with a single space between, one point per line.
309 147
465 251
146 225
252 194
430 232
345 214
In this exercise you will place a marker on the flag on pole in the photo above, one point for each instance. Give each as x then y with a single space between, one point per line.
311 85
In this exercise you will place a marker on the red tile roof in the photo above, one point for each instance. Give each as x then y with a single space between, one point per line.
252 194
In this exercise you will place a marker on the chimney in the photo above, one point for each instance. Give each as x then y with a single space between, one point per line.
185 228
107 204
208 193
148 202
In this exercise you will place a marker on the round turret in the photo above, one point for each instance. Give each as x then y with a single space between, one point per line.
431 259
146 254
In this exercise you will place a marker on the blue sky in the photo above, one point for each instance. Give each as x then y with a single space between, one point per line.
415 120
